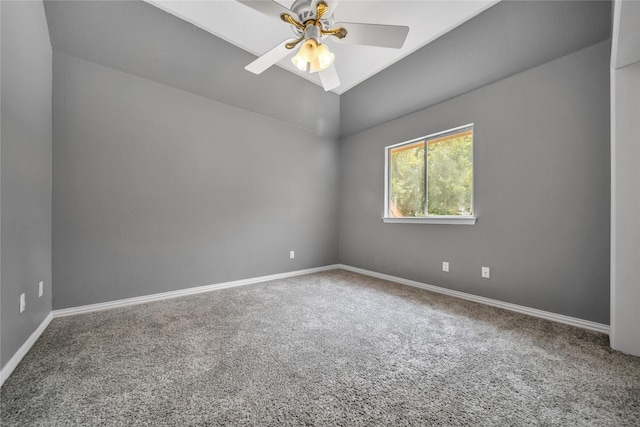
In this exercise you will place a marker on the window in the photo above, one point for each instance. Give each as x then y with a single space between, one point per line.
430 179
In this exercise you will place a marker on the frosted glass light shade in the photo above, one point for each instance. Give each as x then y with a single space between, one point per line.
316 55
299 62
309 50
325 57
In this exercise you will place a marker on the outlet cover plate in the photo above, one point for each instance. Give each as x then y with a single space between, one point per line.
486 272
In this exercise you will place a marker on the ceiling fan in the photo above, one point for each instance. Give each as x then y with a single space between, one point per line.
312 21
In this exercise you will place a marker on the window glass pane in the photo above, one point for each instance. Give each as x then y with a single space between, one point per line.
406 179
450 174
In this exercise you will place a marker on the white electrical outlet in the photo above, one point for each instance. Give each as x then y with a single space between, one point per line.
23 303
292 254
486 272
40 289
445 266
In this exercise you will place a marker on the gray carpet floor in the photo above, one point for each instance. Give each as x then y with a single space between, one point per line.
333 348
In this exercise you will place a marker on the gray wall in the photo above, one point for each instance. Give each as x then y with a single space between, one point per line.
145 41
157 189
541 192
508 38
25 172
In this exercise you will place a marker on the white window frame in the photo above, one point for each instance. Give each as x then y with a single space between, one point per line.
429 219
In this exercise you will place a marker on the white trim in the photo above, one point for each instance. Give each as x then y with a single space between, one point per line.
430 136
386 182
24 349
183 292
457 220
613 200
581 323
573 321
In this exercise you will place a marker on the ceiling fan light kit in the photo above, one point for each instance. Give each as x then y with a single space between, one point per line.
312 21
314 56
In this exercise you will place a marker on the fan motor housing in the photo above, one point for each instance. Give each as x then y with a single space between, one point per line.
305 11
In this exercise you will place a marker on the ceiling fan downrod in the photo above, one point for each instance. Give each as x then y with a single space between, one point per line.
315 24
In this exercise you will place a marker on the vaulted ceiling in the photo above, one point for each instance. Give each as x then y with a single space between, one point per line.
508 37
257 33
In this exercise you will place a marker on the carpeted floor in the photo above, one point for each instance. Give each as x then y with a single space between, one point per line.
333 348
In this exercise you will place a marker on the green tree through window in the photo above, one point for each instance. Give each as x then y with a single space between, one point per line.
435 172
450 175
407 180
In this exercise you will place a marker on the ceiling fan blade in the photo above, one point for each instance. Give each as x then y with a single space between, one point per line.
271 57
373 34
329 78
268 7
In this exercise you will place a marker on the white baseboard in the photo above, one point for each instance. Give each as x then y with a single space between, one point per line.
183 292
573 321
24 349
15 360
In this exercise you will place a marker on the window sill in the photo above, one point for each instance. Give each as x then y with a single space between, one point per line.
457 220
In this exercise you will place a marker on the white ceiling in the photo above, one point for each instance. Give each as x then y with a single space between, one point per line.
256 33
